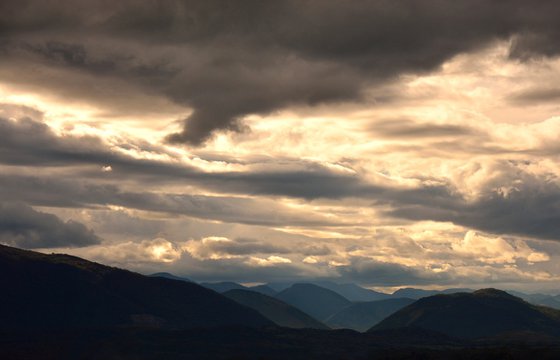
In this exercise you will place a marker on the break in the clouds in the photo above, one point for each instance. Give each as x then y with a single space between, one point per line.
389 143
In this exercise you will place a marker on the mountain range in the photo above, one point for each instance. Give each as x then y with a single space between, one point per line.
363 309
63 307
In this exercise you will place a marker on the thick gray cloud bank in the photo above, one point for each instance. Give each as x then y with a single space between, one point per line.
22 226
226 60
530 208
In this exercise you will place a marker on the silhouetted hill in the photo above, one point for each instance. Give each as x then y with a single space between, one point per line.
314 300
276 310
353 292
223 286
413 293
361 316
60 291
170 276
263 289
483 313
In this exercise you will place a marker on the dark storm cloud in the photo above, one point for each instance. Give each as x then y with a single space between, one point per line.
241 246
8 110
370 272
514 202
536 96
531 209
22 226
248 246
29 142
529 205
404 128
238 270
226 60
52 191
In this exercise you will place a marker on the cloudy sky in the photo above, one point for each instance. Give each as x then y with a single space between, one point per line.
388 143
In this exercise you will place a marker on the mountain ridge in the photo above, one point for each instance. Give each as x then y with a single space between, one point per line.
313 300
274 309
482 313
61 291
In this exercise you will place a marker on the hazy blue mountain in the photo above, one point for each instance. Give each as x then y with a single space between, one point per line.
274 309
353 292
412 293
170 276
538 299
483 313
549 301
223 286
65 292
314 300
361 316
279 286
263 289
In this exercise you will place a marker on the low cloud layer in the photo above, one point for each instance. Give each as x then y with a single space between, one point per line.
22 226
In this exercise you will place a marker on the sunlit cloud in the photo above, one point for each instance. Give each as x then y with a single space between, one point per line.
251 157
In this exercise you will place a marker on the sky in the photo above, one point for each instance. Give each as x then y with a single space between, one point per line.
386 143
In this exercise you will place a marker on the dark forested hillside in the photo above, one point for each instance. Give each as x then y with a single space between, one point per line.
60 291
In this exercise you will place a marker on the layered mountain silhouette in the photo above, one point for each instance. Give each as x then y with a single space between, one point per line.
361 316
62 307
61 291
170 276
314 300
278 311
539 299
353 292
264 289
413 293
483 313
223 286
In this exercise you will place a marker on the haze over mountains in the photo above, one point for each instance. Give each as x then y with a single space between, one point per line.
348 306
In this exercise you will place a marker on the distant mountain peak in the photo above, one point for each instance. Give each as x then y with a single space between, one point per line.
492 292
274 309
314 300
